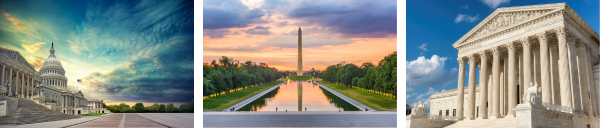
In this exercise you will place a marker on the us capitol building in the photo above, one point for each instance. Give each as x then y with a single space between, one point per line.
537 67
46 87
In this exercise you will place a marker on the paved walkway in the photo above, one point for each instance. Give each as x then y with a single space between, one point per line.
121 120
176 120
56 124
241 104
349 100
300 119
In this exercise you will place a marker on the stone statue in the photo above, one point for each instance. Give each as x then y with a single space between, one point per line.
532 95
419 109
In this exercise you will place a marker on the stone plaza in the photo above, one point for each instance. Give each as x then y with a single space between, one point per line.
547 46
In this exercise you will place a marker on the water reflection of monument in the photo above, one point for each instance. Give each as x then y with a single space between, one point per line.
282 98
299 96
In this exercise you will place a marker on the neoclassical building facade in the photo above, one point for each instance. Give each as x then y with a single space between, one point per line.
48 87
516 47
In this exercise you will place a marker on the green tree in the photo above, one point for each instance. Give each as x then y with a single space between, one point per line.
139 107
161 108
155 107
169 107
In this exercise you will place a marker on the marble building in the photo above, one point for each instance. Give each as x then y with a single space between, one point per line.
515 47
48 87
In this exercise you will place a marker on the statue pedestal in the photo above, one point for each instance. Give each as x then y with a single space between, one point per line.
531 115
416 121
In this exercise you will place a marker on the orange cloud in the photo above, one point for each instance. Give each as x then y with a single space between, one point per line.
20 26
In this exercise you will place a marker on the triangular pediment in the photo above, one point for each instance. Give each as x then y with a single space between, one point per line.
507 17
15 55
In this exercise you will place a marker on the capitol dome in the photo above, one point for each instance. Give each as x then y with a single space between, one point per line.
52 71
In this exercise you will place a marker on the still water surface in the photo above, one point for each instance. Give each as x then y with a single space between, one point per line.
296 96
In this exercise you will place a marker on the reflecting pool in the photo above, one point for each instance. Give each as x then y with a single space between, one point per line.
296 96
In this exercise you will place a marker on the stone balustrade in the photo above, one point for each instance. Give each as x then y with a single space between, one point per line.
441 117
558 108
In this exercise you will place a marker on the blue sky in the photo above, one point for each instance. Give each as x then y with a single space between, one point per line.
125 51
432 28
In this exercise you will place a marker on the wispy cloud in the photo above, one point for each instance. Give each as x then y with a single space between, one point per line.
467 18
30 31
494 3
423 47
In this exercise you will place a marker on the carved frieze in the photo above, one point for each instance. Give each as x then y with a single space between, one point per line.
504 20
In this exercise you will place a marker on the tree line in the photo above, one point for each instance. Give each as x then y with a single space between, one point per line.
229 75
376 79
155 108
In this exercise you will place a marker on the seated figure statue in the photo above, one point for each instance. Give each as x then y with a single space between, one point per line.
419 109
532 95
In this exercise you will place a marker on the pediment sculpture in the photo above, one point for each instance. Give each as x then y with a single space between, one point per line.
506 19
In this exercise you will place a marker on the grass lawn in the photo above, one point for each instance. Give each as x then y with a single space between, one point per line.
377 102
299 77
228 100
94 114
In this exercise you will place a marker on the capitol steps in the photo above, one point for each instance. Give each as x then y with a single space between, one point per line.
28 112
485 123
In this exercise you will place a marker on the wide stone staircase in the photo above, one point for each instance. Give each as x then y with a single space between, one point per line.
28 112
486 123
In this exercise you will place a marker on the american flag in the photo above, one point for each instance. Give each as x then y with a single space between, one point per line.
78 80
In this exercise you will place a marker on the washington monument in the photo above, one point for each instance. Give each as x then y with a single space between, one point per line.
299 51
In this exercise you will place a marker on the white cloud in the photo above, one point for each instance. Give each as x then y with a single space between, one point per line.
423 47
467 18
429 72
423 98
494 3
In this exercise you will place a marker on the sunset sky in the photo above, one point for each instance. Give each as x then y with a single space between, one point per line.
266 31
125 51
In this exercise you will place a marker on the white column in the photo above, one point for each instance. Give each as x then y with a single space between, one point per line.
574 75
583 80
563 63
22 84
496 90
521 83
483 78
10 82
591 82
3 75
512 87
553 50
545 68
526 63
461 85
472 84
503 82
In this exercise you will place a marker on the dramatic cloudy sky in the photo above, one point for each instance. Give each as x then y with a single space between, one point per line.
333 31
125 51
433 26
